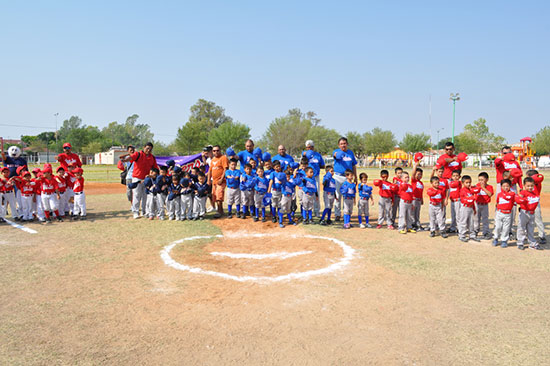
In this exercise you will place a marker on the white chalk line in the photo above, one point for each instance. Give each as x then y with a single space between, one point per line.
21 227
338 265
279 255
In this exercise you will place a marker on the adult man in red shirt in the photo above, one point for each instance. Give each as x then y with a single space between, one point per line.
449 161
67 159
143 161
216 177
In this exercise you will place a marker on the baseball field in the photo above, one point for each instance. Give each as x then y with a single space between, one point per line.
113 290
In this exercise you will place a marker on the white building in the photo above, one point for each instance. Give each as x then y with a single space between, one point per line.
110 157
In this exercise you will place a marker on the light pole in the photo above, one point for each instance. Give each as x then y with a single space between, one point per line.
454 97
437 143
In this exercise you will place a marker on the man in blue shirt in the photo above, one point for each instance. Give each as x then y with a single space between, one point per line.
283 157
344 159
248 154
316 162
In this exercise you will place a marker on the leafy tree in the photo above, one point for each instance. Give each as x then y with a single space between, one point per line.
192 137
129 133
476 138
356 143
541 141
92 147
209 114
28 140
291 130
325 139
415 142
441 144
162 149
230 134
379 141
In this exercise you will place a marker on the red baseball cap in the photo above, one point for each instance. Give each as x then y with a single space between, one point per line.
66 144
78 170
36 170
20 169
4 168
47 170
59 168
26 172
418 156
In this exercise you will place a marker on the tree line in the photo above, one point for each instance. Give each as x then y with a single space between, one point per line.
208 124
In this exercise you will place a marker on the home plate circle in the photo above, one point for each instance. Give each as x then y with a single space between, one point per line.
340 263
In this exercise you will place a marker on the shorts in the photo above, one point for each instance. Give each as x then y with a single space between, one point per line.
218 192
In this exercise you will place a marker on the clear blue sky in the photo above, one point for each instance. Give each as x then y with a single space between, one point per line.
358 64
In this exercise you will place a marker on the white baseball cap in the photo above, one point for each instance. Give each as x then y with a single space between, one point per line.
309 143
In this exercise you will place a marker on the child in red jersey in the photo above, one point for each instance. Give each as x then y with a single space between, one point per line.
63 186
386 190
528 201
395 203
28 188
467 210
505 203
406 197
8 188
418 194
49 195
455 185
443 184
483 198
79 196
437 196
538 178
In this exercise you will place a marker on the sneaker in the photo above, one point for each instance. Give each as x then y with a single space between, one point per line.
421 228
329 222
273 219
495 242
217 215
391 227
293 223
75 218
183 218
243 216
368 226
201 218
255 219
162 218
150 218
487 237
379 226
413 231
263 219
281 226
513 236
465 240
504 244
521 247
229 215
402 231
535 246
210 209
542 240
347 226
136 216
432 234
59 218
475 239
362 226
323 222
444 235
337 219
307 222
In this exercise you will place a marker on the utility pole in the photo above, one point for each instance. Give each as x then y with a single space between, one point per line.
454 97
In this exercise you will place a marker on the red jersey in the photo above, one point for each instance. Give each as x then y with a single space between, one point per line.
448 168
48 186
444 184
69 160
61 184
506 201
528 200
37 185
467 196
454 190
78 185
418 188
387 189
538 178
504 166
436 195
483 197
142 164
406 191
397 181
1 185
28 188
8 184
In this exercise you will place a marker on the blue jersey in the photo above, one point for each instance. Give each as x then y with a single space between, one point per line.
149 184
247 182
289 187
267 173
174 188
300 173
365 192
348 190
315 161
261 184
233 178
279 179
201 190
245 157
343 160
13 164
285 160
162 183
329 184
309 185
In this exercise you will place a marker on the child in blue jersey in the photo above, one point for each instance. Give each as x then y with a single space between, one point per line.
329 189
151 191
254 167
201 190
289 188
276 182
233 179
365 194
348 191
268 168
261 183
309 191
247 193
300 175
162 182
187 197
174 192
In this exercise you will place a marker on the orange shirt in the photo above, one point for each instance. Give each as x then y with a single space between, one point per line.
218 167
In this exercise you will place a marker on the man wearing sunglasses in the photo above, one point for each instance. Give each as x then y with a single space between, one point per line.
67 159
216 177
449 161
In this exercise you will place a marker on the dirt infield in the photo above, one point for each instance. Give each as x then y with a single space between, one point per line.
98 292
